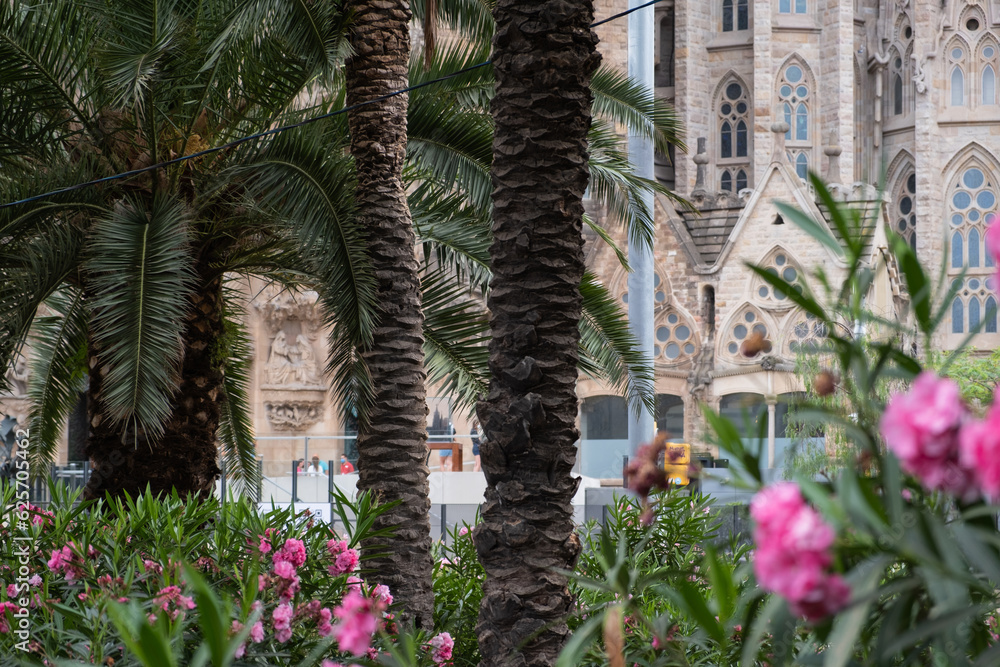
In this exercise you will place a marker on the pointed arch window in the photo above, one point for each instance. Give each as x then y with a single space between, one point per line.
727 15
906 208
795 96
972 200
956 56
734 118
988 56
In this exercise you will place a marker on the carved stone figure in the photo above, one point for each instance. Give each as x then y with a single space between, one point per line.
17 377
293 415
279 364
306 371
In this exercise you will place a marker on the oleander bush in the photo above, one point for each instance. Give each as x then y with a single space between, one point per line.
165 582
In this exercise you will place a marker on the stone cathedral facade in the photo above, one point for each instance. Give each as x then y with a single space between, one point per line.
863 92
903 92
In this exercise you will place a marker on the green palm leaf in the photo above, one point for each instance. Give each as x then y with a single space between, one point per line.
456 333
609 351
454 235
236 435
58 372
31 269
624 101
473 19
139 268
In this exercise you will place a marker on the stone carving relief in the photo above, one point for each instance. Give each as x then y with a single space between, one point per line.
294 416
17 378
292 387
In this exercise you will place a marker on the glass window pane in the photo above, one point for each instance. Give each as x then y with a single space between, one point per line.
741 139
742 15
741 180
989 86
802 166
974 248
605 418
957 88
727 182
973 314
670 416
727 140
788 120
897 95
785 7
956 251
800 6
991 315
801 123
957 316
727 15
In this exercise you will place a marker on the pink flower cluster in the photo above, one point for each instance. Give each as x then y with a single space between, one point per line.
441 648
287 560
171 597
256 631
65 560
4 607
357 620
344 559
793 552
937 441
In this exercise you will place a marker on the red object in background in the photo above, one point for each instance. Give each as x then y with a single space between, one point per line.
346 468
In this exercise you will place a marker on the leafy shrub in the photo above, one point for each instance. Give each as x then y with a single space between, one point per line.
165 582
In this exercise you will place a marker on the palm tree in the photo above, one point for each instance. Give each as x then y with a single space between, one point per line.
540 174
392 424
135 271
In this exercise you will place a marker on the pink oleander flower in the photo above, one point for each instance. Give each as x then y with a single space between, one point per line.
65 561
257 632
344 559
830 594
979 443
793 552
235 629
264 546
354 583
35 580
172 595
282 617
921 428
293 551
357 620
284 569
152 566
441 646
11 590
463 531
382 593
323 626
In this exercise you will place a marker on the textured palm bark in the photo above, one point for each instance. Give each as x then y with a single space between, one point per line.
544 53
186 457
392 443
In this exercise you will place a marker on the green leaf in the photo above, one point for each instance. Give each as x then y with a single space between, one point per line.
578 644
819 231
140 273
917 285
848 623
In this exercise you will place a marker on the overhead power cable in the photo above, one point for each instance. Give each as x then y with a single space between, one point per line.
283 128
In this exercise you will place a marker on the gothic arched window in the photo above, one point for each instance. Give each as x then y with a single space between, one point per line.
956 76
905 208
988 56
734 136
794 97
972 202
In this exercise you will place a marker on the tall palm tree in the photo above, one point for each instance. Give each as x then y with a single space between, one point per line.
544 56
392 448
135 271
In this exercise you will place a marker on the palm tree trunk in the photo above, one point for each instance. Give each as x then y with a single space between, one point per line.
544 53
392 435
185 458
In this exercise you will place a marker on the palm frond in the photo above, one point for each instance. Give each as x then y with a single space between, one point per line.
236 434
454 235
58 372
139 267
32 267
44 48
609 351
472 19
623 100
472 89
456 333
454 144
